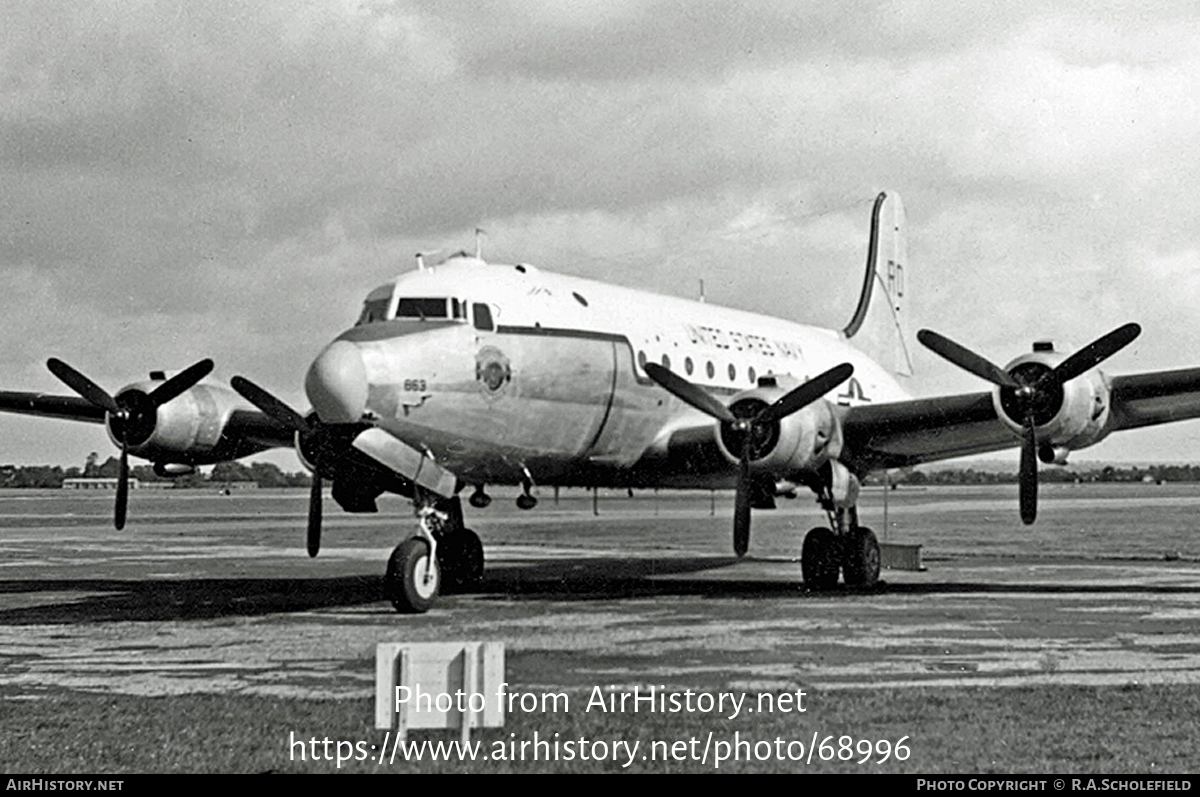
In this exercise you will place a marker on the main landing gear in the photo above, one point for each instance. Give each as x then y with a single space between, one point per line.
443 556
853 549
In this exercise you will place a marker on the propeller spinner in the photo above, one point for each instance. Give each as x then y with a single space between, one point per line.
749 428
132 414
1030 390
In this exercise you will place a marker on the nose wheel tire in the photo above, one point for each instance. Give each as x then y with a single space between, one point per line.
461 557
413 577
860 562
820 559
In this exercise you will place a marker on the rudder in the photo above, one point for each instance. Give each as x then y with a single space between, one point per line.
878 326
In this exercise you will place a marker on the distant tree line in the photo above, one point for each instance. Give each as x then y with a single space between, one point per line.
46 476
1101 473
264 474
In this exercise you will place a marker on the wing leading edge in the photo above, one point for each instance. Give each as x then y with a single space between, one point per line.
70 408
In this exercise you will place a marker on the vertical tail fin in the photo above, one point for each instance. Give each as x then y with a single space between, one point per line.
878 328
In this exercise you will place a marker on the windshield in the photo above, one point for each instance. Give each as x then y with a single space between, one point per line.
373 310
421 308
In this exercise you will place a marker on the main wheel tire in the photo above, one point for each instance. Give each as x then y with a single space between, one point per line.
861 559
413 577
819 560
462 561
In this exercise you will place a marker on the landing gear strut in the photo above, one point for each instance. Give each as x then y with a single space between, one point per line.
845 545
442 556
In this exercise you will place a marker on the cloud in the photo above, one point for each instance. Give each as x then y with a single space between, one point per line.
229 179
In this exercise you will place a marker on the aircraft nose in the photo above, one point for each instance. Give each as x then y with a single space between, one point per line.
336 383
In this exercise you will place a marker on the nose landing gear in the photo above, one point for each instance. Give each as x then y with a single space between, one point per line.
413 577
443 556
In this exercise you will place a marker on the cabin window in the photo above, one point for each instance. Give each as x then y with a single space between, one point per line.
751 375
642 359
710 370
666 362
732 373
483 317
687 365
373 311
422 308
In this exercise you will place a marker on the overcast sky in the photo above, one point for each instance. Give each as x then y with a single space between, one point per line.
228 179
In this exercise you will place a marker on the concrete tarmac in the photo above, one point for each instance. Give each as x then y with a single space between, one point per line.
208 593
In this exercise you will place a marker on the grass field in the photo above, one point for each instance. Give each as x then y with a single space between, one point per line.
1130 729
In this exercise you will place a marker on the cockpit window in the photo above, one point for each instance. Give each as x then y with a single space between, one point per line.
373 310
422 308
483 318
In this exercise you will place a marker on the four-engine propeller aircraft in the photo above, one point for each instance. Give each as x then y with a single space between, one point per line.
469 374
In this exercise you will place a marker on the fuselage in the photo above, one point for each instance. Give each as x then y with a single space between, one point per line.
505 373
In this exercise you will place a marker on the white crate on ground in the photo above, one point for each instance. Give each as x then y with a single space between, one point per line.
431 685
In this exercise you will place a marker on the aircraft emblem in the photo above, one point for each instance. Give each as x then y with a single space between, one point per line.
854 392
492 369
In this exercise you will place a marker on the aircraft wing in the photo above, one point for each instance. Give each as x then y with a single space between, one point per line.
247 431
254 428
905 433
71 408
1148 399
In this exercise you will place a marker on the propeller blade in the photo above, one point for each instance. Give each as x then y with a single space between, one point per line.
741 502
1096 352
84 386
806 394
183 381
269 404
122 489
686 391
314 516
1028 476
965 358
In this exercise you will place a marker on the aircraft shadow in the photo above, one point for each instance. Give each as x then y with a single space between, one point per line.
602 579
111 600
574 579
184 599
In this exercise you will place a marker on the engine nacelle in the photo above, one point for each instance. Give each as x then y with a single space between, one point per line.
187 429
801 442
1066 417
